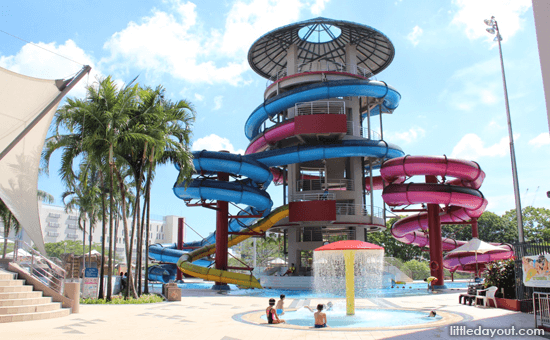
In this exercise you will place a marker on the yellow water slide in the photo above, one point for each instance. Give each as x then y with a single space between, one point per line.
211 274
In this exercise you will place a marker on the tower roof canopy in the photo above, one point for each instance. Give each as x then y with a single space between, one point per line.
349 245
319 39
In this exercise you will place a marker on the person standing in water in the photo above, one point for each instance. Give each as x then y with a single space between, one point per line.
280 305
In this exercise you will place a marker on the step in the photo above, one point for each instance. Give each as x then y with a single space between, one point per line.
11 282
35 316
20 295
9 289
6 276
30 308
25 302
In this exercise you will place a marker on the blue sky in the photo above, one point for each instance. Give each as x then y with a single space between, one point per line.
446 68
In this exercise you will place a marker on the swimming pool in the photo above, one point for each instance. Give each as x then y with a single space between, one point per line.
409 290
363 318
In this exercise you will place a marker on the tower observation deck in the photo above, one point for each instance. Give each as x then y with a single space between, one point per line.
320 107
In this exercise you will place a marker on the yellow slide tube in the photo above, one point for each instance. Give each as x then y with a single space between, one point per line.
211 274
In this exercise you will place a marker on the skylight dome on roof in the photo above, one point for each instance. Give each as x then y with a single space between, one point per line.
319 33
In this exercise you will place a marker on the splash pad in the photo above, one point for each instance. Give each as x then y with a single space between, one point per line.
346 266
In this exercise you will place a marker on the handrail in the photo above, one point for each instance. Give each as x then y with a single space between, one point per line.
320 184
39 266
312 197
324 107
350 209
326 65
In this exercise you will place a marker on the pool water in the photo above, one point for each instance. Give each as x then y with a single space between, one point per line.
362 318
398 291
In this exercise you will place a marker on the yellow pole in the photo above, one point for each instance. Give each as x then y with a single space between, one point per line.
349 256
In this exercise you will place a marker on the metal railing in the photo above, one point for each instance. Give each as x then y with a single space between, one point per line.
320 184
355 130
320 66
53 224
314 108
72 235
349 209
312 197
39 266
541 309
373 134
54 215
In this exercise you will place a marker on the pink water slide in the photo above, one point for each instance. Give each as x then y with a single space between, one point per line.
459 194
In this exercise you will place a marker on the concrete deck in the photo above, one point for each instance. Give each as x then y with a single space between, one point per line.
204 314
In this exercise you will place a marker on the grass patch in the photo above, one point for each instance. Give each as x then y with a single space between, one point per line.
119 300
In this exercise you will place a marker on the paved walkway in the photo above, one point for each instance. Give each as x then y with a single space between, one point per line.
204 314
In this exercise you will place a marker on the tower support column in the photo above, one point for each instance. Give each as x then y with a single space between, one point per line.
436 253
222 224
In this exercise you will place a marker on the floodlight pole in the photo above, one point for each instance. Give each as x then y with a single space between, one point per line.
519 217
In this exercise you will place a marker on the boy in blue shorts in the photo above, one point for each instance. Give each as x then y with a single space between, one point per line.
280 305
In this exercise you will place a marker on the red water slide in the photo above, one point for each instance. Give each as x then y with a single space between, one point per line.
457 191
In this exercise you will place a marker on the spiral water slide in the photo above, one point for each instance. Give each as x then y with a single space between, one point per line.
255 166
461 197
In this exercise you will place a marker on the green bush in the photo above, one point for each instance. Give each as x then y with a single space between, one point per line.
502 275
419 269
119 300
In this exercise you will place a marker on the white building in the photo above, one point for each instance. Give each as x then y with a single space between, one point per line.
58 225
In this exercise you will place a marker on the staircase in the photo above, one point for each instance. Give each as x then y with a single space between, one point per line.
18 302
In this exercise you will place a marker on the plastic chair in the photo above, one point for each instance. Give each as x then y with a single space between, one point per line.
489 295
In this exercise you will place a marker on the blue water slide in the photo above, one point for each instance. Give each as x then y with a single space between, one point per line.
249 191
345 148
319 91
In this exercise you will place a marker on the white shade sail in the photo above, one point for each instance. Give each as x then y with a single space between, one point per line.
477 246
27 106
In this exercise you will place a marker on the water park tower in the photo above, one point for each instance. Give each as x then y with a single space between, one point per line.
319 133
323 103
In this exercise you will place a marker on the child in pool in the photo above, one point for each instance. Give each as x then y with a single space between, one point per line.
280 305
320 317
271 314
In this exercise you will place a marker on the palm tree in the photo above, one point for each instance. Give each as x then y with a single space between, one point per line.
9 222
123 127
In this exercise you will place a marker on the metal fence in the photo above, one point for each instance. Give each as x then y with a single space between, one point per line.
541 309
524 293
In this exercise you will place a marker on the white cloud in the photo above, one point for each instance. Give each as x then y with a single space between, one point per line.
318 6
214 142
508 13
171 43
199 97
409 136
541 140
218 101
36 62
476 85
247 21
414 36
175 42
472 147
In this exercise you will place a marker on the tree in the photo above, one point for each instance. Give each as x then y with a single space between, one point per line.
419 269
491 228
9 221
536 223
393 247
124 128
